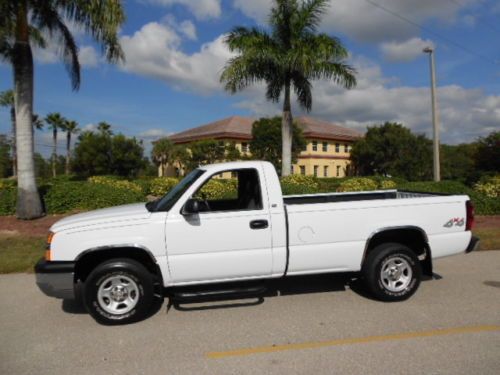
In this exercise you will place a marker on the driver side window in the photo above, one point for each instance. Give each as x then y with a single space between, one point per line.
233 190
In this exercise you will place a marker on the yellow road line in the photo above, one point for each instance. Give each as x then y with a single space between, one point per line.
350 341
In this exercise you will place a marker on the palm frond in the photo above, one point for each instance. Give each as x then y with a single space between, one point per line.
46 17
303 89
101 19
274 87
308 16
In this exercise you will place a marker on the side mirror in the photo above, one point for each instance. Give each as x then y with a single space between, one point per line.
191 207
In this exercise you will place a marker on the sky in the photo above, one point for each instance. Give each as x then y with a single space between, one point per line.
175 53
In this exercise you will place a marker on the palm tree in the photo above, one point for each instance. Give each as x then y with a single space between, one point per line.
70 127
7 100
55 122
22 23
162 154
104 128
290 56
37 123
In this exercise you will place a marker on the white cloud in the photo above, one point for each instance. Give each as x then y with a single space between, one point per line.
87 55
465 114
89 127
255 9
154 51
186 27
404 51
202 9
365 22
152 134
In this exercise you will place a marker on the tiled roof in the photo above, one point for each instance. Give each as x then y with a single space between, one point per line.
315 128
234 127
238 127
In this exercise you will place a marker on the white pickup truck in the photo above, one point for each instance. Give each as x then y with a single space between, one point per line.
118 256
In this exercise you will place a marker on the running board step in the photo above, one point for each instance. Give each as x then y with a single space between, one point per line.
209 294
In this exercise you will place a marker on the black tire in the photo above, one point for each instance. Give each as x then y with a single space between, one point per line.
402 275
130 287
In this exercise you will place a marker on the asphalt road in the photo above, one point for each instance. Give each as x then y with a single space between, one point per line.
316 325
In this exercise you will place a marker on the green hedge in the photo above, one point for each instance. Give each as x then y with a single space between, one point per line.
66 195
484 205
8 198
81 196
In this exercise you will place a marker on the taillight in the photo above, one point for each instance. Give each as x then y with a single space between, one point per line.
470 215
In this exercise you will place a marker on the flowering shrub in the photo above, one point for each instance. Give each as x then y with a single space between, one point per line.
113 182
387 184
161 185
219 189
8 193
357 184
7 183
489 187
299 184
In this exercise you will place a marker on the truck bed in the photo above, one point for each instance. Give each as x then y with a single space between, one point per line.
354 196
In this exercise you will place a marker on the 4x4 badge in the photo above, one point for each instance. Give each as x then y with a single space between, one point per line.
457 221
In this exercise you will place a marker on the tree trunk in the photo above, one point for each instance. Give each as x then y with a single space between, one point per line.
286 134
14 149
68 150
54 149
29 205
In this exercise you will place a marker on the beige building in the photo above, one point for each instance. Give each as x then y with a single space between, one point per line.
326 154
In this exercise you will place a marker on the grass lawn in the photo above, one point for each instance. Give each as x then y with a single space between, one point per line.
490 238
20 253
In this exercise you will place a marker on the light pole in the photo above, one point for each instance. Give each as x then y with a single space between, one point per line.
435 123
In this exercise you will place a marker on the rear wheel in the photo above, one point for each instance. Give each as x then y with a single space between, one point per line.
119 291
392 272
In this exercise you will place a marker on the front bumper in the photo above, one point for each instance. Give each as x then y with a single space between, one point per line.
473 244
56 279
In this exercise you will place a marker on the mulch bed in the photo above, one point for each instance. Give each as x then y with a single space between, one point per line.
33 228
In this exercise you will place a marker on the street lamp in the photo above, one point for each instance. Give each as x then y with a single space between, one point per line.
435 123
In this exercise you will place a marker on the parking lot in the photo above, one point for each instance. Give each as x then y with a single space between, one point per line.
320 325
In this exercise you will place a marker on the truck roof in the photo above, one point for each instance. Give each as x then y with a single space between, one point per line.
232 165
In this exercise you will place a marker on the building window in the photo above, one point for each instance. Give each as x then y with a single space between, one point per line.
325 146
325 171
316 171
346 148
303 170
337 147
244 147
291 169
348 170
338 170
315 145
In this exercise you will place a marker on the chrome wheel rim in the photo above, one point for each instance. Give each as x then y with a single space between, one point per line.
118 294
396 274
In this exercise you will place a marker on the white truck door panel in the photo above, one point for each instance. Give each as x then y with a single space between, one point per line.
218 246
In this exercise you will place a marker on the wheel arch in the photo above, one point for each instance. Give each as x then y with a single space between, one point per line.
90 258
409 235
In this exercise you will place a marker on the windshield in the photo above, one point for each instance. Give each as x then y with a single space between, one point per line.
168 200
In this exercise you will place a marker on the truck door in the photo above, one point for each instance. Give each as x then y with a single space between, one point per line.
228 236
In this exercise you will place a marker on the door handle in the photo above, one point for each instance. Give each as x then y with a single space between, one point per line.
259 224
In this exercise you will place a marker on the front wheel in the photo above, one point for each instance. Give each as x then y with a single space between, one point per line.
119 291
392 272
